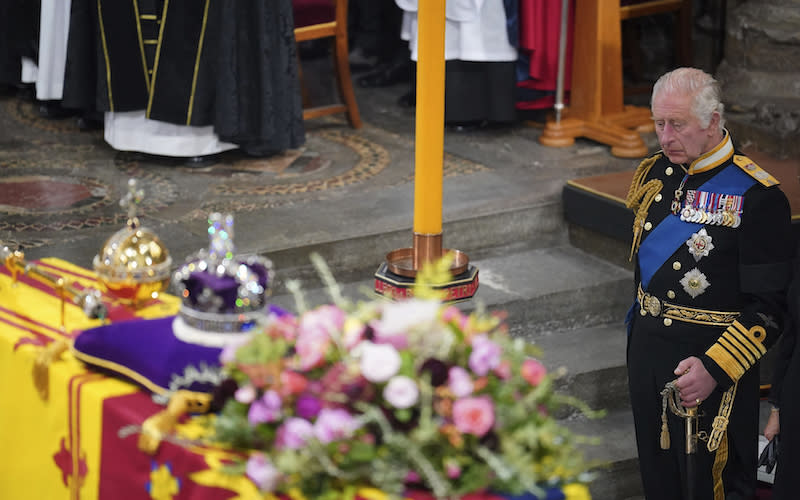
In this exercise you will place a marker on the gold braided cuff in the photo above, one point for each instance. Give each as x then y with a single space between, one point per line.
738 349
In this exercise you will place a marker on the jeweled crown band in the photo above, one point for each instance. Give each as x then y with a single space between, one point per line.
220 323
649 304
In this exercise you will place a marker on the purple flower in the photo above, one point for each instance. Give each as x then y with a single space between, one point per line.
265 409
485 355
293 434
261 471
401 392
308 406
333 424
379 362
459 382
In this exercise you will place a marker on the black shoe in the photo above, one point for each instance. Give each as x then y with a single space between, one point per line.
387 74
200 161
87 124
361 61
53 110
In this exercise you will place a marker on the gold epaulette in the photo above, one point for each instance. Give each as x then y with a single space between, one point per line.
753 170
640 197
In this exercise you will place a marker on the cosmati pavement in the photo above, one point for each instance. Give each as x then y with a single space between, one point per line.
341 185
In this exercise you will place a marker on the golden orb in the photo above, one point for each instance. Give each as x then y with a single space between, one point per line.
134 265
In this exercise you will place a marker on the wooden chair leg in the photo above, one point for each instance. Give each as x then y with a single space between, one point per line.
344 80
303 87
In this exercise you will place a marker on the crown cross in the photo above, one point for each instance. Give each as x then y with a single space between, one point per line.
220 233
129 202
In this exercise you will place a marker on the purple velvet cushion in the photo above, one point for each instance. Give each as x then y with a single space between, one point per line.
146 352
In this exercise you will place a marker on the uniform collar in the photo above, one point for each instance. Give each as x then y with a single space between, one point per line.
714 158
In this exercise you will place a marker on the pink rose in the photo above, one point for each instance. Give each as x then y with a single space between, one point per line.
473 415
533 371
503 370
282 326
314 337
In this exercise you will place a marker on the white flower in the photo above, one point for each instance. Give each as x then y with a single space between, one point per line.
401 392
379 362
400 317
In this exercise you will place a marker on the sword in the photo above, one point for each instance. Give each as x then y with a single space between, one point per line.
690 420
671 398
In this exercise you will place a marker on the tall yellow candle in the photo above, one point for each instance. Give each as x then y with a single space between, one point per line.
429 151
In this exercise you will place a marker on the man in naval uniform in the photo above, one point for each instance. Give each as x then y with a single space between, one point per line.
713 247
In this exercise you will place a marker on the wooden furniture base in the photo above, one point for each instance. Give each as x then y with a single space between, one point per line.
596 109
620 131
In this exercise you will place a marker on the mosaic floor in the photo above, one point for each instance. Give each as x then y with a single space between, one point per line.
56 179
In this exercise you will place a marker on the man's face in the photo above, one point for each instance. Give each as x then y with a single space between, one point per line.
679 132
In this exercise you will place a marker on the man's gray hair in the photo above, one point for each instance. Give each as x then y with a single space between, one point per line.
704 89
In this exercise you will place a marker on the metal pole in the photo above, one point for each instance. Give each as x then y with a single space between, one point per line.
562 55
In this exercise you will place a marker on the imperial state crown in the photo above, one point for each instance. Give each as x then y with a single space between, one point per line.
224 295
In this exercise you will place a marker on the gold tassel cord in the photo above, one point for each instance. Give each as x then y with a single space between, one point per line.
163 422
41 366
670 398
721 420
632 200
646 194
640 196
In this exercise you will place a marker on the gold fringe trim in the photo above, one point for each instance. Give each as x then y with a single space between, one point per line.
163 422
41 366
640 197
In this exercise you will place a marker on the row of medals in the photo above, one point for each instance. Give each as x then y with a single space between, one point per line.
724 218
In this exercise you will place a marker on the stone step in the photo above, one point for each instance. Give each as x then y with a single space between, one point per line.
541 289
617 472
594 361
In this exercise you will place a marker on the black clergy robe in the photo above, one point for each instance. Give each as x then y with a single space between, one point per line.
229 65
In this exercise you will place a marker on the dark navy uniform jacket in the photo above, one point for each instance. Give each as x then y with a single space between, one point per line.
738 261
713 249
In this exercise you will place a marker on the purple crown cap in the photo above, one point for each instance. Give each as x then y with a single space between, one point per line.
215 283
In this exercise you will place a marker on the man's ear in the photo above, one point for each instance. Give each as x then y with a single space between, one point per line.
713 125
